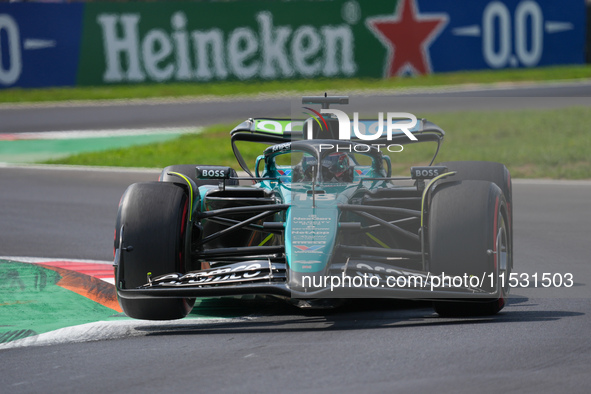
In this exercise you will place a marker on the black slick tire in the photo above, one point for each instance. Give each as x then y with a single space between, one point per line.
468 236
490 171
154 218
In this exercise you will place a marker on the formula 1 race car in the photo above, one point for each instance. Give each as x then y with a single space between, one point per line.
321 220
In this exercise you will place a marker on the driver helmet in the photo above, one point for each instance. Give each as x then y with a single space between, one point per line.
336 165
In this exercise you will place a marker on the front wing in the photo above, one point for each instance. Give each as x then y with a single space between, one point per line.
263 277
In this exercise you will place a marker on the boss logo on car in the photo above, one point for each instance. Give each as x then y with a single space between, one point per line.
213 172
427 172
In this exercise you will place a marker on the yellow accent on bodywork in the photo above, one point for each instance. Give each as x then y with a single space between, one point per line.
427 189
190 192
266 239
381 243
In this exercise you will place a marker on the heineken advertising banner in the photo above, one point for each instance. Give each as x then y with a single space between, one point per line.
217 41
39 44
122 43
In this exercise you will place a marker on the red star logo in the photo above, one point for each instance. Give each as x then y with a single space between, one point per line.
407 35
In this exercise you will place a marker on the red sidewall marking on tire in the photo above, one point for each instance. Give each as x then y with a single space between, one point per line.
501 300
495 232
183 225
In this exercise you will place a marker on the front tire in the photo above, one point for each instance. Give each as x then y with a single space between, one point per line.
489 171
468 221
154 218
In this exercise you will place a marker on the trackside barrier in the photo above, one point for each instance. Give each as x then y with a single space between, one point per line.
128 43
588 41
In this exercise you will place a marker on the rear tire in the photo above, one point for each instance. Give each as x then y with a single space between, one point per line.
467 219
154 216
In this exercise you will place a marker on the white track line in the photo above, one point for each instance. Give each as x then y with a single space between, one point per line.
41 260
105 330
65 167
107 133
553 182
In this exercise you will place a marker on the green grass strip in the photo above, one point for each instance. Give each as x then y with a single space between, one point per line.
532 143
332 86
27 151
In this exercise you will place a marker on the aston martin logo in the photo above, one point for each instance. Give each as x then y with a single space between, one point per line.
304 248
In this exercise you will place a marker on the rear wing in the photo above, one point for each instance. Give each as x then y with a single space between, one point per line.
273 131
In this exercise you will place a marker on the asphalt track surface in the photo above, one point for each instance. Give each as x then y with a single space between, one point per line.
539 343
201 112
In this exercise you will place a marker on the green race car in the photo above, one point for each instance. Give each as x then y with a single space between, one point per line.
319 220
